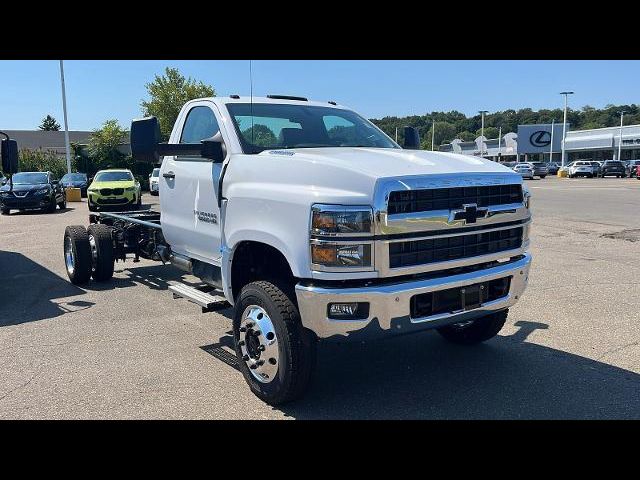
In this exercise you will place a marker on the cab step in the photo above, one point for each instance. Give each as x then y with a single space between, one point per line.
209 302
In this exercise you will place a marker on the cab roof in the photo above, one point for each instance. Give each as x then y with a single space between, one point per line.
274 99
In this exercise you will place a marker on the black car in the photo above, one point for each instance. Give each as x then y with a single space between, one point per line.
32 191
76 180
613 167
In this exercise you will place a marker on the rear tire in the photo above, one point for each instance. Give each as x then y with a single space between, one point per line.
296 346
101 244
482 329
77 254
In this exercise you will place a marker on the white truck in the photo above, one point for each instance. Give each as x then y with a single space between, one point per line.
315 225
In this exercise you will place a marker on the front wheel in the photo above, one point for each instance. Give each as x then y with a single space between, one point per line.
276 353
92 207
475 331
63 204
6 211
542 176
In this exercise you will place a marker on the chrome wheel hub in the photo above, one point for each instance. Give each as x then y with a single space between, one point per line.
68 255
258 344
94 253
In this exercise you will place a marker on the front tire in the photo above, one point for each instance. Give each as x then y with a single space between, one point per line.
101 245
63 204
52 206
479 330
6 211
92 207
77 254
276 354
542 176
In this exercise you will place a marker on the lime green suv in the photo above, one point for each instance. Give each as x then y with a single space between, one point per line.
114 188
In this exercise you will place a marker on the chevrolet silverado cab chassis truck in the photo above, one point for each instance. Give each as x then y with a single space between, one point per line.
315 225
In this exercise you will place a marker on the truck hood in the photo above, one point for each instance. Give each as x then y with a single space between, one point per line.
387 162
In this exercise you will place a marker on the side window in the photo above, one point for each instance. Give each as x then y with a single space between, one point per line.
201 123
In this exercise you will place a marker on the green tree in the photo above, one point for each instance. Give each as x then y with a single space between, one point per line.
489 132
466 136
167 95
42 161
105 143
262 136
49 124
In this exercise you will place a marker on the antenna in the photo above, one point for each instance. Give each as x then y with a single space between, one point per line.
251 98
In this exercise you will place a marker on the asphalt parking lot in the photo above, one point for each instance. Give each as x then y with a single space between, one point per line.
127 349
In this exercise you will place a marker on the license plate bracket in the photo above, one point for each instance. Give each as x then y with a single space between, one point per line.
471 297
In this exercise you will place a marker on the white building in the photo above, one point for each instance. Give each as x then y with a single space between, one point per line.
595 144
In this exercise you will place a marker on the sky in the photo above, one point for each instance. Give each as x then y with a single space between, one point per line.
99 90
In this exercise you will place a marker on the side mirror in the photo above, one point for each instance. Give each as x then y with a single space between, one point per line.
145 136
146 146
9 152
411 138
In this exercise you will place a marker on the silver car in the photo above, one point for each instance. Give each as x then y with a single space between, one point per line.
524 169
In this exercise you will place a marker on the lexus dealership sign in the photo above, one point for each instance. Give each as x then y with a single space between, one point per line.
537 138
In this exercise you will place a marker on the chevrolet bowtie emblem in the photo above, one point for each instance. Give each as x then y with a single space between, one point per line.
469 213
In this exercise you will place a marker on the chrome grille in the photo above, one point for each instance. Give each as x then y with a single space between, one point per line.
424 200
421 252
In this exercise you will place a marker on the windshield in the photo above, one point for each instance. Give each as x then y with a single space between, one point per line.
113 176
74 177
156 172
30 178
278 126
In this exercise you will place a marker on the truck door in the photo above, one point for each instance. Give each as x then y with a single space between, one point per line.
189 190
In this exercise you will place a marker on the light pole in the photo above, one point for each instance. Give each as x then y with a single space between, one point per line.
482 112
553 122
564 123
433 135
66 124
620 140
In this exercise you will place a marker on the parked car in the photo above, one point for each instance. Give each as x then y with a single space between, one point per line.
3 180
581 168
540 169
525 170
76 180
154 178
597 168
633 168
114 188
553 168
32 191
613 167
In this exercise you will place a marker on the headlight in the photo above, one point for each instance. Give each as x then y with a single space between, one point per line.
341 255
339 220
42 191
130 189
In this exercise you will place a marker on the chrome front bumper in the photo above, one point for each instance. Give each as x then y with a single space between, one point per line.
389 304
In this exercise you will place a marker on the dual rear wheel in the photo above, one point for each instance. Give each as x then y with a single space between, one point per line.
88 253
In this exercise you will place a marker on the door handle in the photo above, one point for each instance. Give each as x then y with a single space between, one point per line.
169 175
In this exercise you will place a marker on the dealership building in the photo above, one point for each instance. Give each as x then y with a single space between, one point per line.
534 143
